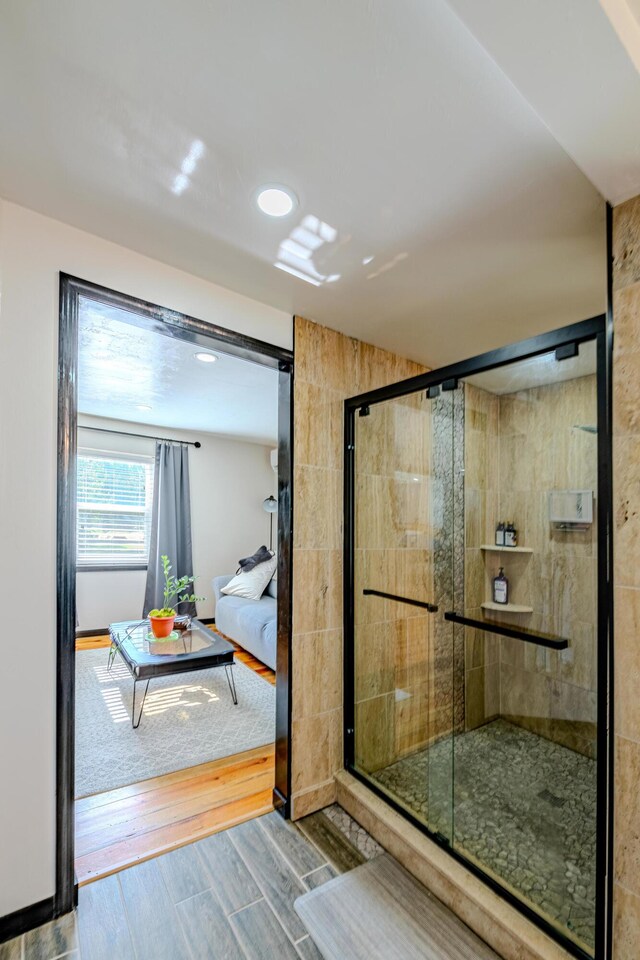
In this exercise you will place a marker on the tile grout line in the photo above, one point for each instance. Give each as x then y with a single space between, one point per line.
174 906
213 891
126 914
245 907
286 859
264 897
317 870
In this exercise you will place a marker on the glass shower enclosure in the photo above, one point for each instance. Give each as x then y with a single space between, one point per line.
477 630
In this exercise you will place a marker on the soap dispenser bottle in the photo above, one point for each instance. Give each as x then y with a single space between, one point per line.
500 588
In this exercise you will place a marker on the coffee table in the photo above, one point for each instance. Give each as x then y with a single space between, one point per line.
197 648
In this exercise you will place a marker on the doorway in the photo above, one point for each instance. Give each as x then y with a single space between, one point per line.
180 332
477 629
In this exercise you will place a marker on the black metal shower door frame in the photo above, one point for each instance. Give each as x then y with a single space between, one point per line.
598 329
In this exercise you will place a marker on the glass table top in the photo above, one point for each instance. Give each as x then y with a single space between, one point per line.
133 639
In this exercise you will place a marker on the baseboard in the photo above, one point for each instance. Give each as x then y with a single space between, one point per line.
13 924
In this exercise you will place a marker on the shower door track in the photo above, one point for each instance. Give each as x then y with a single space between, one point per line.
598 329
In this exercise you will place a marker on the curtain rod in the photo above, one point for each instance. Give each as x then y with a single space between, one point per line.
143 436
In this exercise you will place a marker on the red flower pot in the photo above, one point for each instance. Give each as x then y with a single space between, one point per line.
161 627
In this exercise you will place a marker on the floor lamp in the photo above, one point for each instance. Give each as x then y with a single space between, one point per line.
270 505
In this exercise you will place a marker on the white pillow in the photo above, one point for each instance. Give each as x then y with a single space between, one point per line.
251 585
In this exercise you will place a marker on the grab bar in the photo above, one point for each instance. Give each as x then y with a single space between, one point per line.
431 607
527 636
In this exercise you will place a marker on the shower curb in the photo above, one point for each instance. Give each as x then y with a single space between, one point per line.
485 912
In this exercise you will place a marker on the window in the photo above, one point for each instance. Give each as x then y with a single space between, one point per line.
115 495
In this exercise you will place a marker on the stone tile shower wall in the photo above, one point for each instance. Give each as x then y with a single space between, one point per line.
329 367
394 554
550 692
405 536
519 447
626 519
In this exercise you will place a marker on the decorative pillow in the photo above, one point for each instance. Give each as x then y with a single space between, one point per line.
251 584
248 563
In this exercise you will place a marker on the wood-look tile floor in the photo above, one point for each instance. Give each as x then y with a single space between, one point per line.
232 896
229 896
118 828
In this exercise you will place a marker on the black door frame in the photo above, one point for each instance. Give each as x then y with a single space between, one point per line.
180 326
600 330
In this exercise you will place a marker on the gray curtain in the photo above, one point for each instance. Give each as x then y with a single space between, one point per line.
170 524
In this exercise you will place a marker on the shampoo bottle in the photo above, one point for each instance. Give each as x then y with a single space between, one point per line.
500 588
500 535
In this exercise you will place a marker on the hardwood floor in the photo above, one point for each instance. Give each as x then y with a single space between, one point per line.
131 824
121 827
93 643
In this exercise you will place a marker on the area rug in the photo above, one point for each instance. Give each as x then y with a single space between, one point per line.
188 719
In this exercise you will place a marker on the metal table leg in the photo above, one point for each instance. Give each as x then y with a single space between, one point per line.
228 669
112 655
133 705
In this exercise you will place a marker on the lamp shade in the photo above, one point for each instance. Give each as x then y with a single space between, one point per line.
270 505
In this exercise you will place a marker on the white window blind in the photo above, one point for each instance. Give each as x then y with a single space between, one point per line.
114 503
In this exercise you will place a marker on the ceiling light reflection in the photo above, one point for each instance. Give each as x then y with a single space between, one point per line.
295 254
296 273
187 167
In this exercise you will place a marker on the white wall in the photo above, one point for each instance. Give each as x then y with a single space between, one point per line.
229 481
33 249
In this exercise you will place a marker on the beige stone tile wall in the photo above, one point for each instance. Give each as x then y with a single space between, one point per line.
330 367
519 447
626 515
550 692
394 554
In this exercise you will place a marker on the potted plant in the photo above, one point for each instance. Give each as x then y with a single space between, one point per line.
162 620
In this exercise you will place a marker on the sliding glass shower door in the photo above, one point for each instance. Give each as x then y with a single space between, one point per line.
403 581
476 630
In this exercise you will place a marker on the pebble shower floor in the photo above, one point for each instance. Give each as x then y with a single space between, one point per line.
523 808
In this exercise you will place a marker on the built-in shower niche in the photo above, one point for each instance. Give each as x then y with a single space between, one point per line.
480 719
521 448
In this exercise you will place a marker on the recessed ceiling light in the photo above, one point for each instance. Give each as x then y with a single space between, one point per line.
206 357
143 406
276 201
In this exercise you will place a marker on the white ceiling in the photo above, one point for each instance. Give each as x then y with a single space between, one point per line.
121 366
390 121
576 62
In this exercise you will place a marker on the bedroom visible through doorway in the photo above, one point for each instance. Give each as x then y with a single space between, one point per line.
179 517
